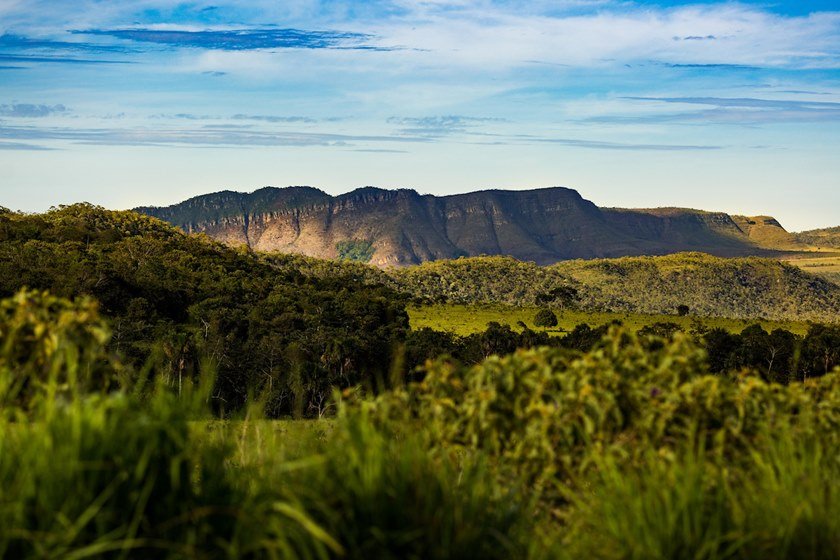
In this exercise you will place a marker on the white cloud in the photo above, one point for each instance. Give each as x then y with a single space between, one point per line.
493 37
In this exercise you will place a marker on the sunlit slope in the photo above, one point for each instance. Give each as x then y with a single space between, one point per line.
709 286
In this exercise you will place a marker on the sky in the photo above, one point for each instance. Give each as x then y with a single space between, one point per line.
722 106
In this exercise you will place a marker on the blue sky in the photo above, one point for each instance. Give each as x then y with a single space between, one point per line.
721 106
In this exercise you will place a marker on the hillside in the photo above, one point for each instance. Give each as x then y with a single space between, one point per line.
828 238
402 227
195 308
742 288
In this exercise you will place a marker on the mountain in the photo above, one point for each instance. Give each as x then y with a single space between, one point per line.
402 227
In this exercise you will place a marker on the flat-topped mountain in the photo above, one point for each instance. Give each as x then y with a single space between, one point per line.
403 227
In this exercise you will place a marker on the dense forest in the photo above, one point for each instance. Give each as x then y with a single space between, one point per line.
180 304
288 329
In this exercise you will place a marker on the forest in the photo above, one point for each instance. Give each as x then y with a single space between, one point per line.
162 395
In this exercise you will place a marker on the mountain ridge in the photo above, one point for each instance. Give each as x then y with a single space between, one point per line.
403 227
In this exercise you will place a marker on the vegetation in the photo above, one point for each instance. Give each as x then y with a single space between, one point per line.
545 318
355 250
744 288
825 265
820 238
139 366
630 450
192 307
469 319
489 280
779 355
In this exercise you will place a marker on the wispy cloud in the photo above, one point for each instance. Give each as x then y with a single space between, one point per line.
696 38
598 145
22 146
56 59
243 39
11 41
438 126
273 118
194 137
730 111
715 66
747 102
28 110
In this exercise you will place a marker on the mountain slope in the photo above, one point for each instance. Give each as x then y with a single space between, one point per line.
402 227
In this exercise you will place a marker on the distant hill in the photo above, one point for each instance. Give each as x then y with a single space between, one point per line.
402 227
742 288
828 238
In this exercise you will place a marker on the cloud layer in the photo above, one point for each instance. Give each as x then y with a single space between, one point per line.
603 93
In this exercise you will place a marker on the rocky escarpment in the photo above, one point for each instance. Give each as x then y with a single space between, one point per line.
403 227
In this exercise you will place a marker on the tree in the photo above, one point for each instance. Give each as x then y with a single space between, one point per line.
545 318
683 310
820 350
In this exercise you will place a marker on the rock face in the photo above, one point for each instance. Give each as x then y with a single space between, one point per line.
404 227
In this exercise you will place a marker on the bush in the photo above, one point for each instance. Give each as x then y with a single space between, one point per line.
545 318
630 450
122 476
52 348
547 413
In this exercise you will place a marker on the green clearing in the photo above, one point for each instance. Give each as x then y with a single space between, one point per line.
468 319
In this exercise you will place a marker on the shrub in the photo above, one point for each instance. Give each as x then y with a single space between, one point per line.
51 347
546 413
545 318
355 250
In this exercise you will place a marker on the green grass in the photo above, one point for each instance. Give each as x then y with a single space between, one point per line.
467 319
628 452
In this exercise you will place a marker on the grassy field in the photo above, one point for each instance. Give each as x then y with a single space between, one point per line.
466 319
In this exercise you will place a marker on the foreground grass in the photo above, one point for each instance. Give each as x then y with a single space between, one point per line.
630 451
468 319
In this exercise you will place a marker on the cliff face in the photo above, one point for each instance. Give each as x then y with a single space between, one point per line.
404 227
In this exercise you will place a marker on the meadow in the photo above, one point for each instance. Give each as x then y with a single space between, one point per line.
469 319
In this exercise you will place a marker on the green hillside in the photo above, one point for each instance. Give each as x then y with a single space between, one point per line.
741 288
197 308
828 238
